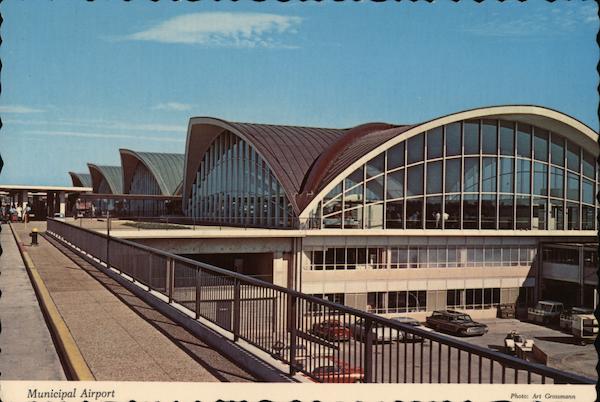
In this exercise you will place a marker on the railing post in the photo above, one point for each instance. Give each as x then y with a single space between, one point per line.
368 356
236 309
198 293
170 279
291 314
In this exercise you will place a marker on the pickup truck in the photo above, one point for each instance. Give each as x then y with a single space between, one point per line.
545 312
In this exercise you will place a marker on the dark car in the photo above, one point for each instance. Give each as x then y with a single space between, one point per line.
455 322
331 330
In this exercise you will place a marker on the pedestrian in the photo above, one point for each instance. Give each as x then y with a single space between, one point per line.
27 213
12 212
19 213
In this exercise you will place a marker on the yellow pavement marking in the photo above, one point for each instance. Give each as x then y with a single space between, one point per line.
77 366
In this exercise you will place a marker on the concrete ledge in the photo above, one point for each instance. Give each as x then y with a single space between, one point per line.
225 346
77 367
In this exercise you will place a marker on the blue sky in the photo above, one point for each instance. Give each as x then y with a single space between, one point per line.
81 80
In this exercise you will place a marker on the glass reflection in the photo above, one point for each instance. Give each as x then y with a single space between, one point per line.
556 221
505 212
433 215
414 180
395 184
557 179
524 140
414 213
540 145
451 215
572 216
453 175
507 138
572 156
557 150
523 212
414 149
506 175
471 137
453 139
394 214
488 175
488 211
471 175
434 177
435 141
523 176
489 137
395 156
375 165
539 213
540 178
470 211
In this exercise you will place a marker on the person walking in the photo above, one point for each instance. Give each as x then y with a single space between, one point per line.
26 213
19 213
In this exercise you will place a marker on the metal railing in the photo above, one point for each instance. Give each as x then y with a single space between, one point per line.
325 341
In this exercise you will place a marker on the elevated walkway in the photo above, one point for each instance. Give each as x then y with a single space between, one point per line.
119 336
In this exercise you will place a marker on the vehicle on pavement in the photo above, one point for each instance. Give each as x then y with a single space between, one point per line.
381 334
545 312
456 323
415 323
567 316
282 352
338 371
514 339
332 330
585 328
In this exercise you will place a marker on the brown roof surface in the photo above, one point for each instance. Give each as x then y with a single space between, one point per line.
303 159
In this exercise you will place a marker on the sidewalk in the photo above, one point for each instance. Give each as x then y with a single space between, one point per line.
119 336
28 352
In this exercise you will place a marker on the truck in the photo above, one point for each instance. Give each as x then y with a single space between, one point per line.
584 328
545 312
568 315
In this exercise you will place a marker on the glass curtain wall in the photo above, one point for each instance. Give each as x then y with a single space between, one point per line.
143 182
234 185
474 174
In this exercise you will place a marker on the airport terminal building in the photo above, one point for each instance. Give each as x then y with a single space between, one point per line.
455 212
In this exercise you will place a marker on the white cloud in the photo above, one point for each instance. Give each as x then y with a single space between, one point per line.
19 109
104 124
558 21
51 133
222 29
173 106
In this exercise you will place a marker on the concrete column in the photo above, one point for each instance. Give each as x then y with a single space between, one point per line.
50 204
24 195
279 269
63 204
581 276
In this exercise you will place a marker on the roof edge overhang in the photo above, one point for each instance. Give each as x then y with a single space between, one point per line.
97 173
129 161
77 180
539 116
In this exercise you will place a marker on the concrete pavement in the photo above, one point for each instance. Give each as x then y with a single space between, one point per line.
119 336
28 352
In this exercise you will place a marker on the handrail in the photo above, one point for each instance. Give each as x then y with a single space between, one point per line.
376 321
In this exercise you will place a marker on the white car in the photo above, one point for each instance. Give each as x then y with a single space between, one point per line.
415 323
514 339
380 334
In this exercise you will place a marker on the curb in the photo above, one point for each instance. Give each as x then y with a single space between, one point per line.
77 368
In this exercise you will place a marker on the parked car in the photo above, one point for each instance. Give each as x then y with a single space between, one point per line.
585 328
456 323
567 316
332 330
514 339
415 323
338 371
545 312
381 334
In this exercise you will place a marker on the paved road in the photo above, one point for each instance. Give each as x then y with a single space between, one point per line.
27 349
120 336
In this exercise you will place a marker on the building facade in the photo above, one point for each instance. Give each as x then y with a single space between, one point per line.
453 212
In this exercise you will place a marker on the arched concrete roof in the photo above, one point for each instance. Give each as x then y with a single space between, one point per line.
373 143
289 151
166 168
81 179
308 162
112 175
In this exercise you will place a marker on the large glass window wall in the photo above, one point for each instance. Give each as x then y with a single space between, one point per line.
476 174
382 257
234 185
